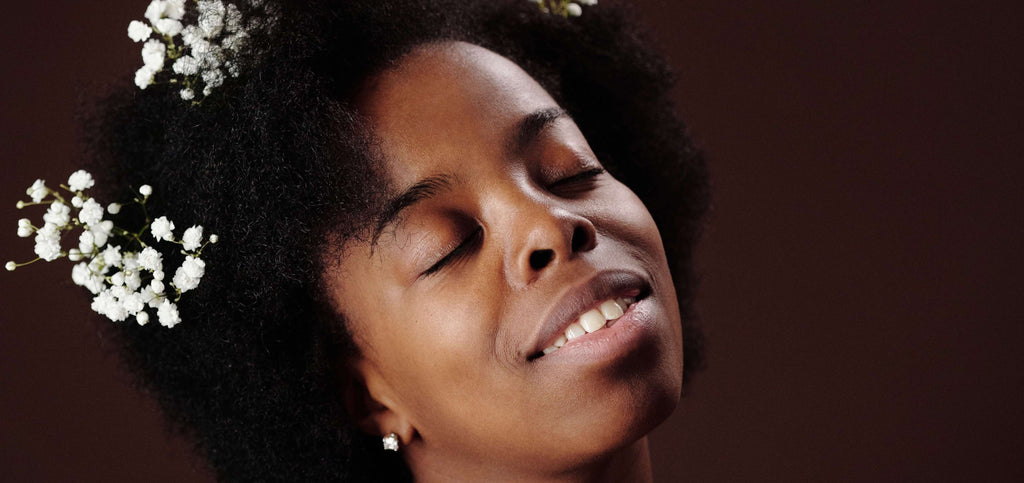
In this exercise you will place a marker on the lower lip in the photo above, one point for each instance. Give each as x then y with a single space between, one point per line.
634 330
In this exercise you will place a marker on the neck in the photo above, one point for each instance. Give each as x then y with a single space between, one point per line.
631 463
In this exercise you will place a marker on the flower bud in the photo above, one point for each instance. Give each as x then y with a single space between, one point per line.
146 190
11 266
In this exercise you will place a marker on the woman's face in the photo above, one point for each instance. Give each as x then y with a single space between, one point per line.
502 232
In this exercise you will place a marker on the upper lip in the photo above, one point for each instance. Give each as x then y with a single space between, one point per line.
582 297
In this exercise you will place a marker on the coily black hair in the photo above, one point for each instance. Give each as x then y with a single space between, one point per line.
278 163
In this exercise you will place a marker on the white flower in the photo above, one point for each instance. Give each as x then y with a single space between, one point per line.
144 76
186 65
130 261
232 18
150 259
86 242
189 273
37 191
153 52
168 314
214 238
59 214
91 212
213 78
232 68
168 26
162 229
107 303
211 17
187 94
158 275
112 256
155 10
175 9
101 231
574 10
150 297
77 201
25 228
192 238
145 190
133 303
80 180
157 287
10 266
190 34
142 318
102 302
132 279
97 266
48 242
75 255
117 279
95 283
235 42
80 274
114 208
139 31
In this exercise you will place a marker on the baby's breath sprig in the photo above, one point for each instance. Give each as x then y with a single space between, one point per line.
122 270
202 55
565 8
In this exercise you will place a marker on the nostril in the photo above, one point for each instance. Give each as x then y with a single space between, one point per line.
541 258
580 239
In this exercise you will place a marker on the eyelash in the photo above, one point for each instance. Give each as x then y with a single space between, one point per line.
467 244
470 241
584 176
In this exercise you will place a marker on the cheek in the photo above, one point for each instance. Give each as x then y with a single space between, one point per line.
624 217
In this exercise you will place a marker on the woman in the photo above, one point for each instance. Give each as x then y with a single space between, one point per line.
421 206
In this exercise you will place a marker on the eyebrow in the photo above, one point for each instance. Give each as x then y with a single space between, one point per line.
530 127
525 132
425 188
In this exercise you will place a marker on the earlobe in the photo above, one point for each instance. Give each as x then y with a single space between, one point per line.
370 405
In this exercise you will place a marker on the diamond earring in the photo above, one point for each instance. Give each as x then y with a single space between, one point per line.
391 442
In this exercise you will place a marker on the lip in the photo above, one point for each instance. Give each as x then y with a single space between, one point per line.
582 297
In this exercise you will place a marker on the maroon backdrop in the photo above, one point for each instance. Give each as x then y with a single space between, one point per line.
861 270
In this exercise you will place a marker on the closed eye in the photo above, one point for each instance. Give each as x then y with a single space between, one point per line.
576 184
464 248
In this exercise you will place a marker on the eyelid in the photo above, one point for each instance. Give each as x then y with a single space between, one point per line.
588 173
456 254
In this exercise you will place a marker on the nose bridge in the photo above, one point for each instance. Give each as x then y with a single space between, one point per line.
541 232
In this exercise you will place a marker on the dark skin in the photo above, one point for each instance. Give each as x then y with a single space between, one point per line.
507 231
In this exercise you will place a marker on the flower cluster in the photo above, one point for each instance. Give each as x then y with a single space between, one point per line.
124 273
202 54
564 8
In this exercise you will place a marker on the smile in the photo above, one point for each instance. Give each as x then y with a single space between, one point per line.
592 320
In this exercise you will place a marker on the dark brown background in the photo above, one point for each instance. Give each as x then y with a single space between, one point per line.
862 268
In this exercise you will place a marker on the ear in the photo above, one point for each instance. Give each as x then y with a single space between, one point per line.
370 403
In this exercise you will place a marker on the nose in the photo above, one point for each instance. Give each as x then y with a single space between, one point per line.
544 236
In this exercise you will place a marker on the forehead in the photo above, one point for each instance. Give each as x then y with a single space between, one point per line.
445 103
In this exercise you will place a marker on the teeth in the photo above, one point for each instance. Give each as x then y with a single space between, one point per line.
611 310
575 330
592 320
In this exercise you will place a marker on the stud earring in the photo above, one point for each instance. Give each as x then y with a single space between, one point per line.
391 442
